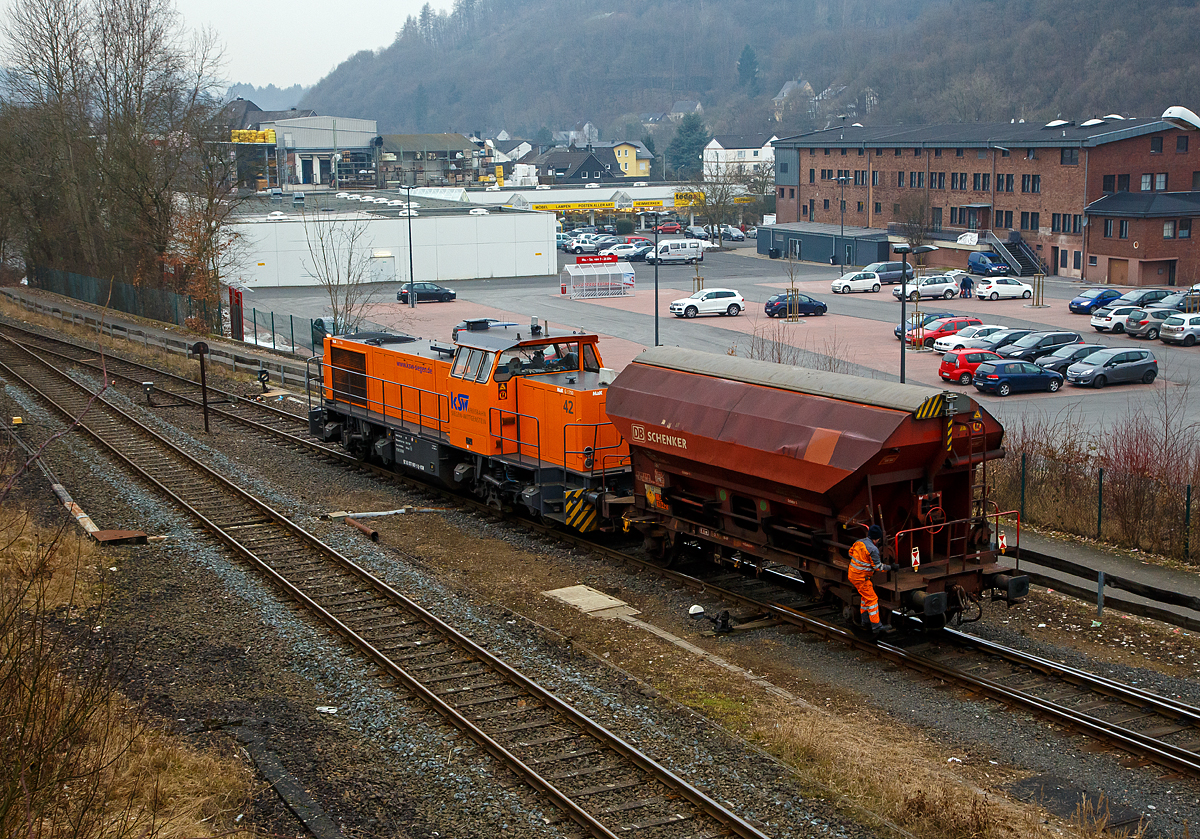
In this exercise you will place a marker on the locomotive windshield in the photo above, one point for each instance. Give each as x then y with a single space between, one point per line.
559 357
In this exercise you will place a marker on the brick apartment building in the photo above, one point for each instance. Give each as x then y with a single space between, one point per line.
1030 191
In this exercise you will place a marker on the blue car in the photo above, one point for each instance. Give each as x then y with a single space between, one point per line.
1005 377
1092 299
777 306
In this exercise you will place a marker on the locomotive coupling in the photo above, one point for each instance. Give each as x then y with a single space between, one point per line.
929 603
1014 587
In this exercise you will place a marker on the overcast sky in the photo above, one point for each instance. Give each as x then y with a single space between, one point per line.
281 44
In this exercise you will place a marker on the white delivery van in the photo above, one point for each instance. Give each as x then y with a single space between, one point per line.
677 250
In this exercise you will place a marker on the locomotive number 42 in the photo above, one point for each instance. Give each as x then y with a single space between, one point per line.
569 407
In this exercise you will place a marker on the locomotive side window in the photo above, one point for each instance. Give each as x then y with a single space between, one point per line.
460 362
543 358
473 364
485 367
349 376
590 363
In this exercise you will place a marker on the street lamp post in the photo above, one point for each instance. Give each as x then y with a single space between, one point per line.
412 281
904 251
656 220
842 183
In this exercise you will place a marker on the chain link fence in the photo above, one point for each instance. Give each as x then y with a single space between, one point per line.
152 303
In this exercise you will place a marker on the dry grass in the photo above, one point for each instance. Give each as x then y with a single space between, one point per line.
77 759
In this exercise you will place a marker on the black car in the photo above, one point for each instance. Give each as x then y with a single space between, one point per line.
999 339
1180 301
778 306
426 292
1064 357
607 242
639 255
610 229
1037 344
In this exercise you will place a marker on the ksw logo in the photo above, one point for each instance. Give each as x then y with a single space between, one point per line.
639 434
459 402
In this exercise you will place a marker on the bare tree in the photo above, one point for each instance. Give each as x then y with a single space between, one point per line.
340 261
716 194
915 225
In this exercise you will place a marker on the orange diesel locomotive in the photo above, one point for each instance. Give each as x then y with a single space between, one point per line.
520 423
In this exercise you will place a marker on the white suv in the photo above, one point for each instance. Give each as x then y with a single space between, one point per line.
945 286
709 301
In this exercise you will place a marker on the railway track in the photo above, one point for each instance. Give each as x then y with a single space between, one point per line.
591 776
1151 727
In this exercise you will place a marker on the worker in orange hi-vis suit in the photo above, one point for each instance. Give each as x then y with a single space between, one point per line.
865 561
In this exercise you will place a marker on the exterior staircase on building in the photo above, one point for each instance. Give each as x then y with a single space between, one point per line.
1019 256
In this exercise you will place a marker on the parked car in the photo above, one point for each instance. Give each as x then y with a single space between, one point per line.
695 232
1113 365
1141 297
998 340
732 234
610 229
426 292
1092 299
993 288
639 240
958 340
670 227
987 264
924 319
677 250
751 232
581 245
959 365
1037 344
861 281
929 333
778 306
1005 377
639 252
1065 356
1111 318
585 228
935 285
1146 323
561 240
1180 301
709 301
891 272
1180 328
603 242
622 251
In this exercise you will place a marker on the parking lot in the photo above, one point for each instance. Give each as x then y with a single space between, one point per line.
858 329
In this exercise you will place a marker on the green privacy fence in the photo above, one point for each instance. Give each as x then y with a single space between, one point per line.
153 303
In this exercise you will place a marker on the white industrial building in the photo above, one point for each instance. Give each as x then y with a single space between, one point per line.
449 241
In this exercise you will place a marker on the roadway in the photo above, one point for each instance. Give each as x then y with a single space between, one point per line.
857 331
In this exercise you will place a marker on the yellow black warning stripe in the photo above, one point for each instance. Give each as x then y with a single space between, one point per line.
581 515
934 406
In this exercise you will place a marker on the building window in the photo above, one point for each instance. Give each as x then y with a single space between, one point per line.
1169 229
916 152
1054 223
1070 157
844 152
860 206
1160 182
1062 257
826 207
1004 152
1110 183
783 167
1077 225
1091 260
804 209
1156 145
954 215
1031 183
780 192
1181 143
756 152
940 178
937 152
826 152
1003 219
879 152
1122 183
900 179
1035 222
741 154
1123 229
935 218
874 177
920 180
975 182
812 152
1147 183
812 176
897 152
981 154
958 152
860 152
1185 228
791 192
1031 154
878 207
1024 221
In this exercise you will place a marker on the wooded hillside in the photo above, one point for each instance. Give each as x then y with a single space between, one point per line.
523 65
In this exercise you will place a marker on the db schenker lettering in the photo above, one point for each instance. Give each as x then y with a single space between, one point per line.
666 440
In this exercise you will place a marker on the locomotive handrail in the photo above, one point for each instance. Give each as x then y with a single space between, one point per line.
537 430
441 400
595 447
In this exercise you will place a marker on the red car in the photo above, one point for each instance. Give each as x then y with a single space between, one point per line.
670 227
638 240
959 365
940 329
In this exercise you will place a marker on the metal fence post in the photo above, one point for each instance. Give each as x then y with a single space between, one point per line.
273 329
1099 594
1100 502
1187 525
1024 457
292 324
220 330
254 318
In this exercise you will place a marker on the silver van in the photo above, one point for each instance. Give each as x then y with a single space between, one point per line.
687 251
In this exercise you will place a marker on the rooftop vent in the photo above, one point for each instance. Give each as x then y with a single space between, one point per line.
1091 122
1057 123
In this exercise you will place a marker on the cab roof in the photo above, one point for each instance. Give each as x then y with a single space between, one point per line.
492 342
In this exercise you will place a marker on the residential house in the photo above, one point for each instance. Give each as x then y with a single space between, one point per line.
576 165
682 108
633 158
738 154
794 96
